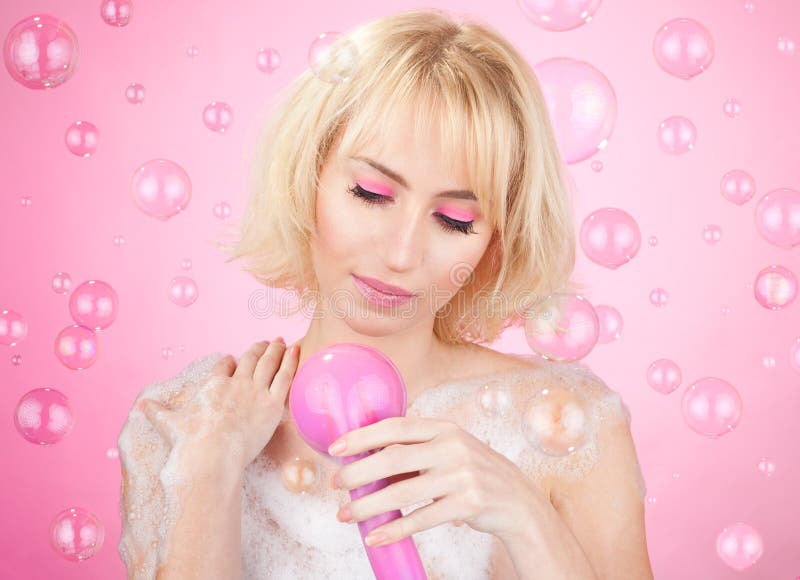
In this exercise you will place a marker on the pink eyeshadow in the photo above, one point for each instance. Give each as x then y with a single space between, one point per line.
456 213
375 187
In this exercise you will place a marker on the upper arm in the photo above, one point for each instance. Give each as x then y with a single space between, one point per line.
598 488
605 508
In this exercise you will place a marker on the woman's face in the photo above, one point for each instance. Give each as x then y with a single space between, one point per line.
420 230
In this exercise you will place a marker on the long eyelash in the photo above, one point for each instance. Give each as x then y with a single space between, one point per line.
446 223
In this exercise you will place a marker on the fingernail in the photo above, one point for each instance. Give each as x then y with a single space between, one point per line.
280 339
375 538
344 514
337 448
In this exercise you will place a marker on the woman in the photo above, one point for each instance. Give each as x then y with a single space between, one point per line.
420 208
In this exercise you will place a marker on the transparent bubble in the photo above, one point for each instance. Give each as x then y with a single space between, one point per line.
739 546
683 47
778 217
711 407
161 188
582 105
494 399
554 421
659 297
183 290
749 7
166 353
676 135
218 116
775 287
116 12
61 283
737 186
76 347
712 234
725 310
563 327
41 52
76 534
13 327
44 416
597 166
794 355
676 475
119 240
559 16
768 362
192 51
786 46
732 108
333 57
112 453
664 375
652 240
94 304
610 323
16 359
268 60
300 475
134 93
222 210
25 201
766 466
610 237
81 138
186 264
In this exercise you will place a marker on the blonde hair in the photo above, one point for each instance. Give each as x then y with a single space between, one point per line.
487 102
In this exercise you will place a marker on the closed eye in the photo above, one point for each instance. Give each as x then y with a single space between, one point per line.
448 224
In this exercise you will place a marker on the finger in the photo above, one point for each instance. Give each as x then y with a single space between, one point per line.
282 381
434 514
224 367
159 416
268 364
390 430
247 362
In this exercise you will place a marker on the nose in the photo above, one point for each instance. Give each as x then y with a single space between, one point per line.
405 242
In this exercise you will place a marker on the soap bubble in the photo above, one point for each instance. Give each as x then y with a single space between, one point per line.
268 60
13 327
333 57
737 186
739 546
732 107
183 290
794 354
554 421
664 375
494 398
683 47
116 12
778 217
659 297
582 106
76 347
76 534
711 407
610 237
161 188
94 304
676 135
81 138
766 466
559 16
712 234
610 323
563 327
134 93
41 52
218 116
775 287
44 416
61 283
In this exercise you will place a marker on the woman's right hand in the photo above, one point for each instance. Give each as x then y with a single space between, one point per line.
235 412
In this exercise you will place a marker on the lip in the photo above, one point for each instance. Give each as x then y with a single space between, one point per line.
378 298
384 288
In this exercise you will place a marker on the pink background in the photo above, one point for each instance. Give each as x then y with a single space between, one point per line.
80 204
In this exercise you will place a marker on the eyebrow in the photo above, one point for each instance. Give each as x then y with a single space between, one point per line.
391 174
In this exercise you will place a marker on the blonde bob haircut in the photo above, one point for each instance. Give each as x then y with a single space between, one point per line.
472 84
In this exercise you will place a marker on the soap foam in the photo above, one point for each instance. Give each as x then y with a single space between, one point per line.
295 536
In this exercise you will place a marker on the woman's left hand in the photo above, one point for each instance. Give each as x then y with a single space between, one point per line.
467 480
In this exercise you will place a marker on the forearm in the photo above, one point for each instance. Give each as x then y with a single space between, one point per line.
546 549
205 539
